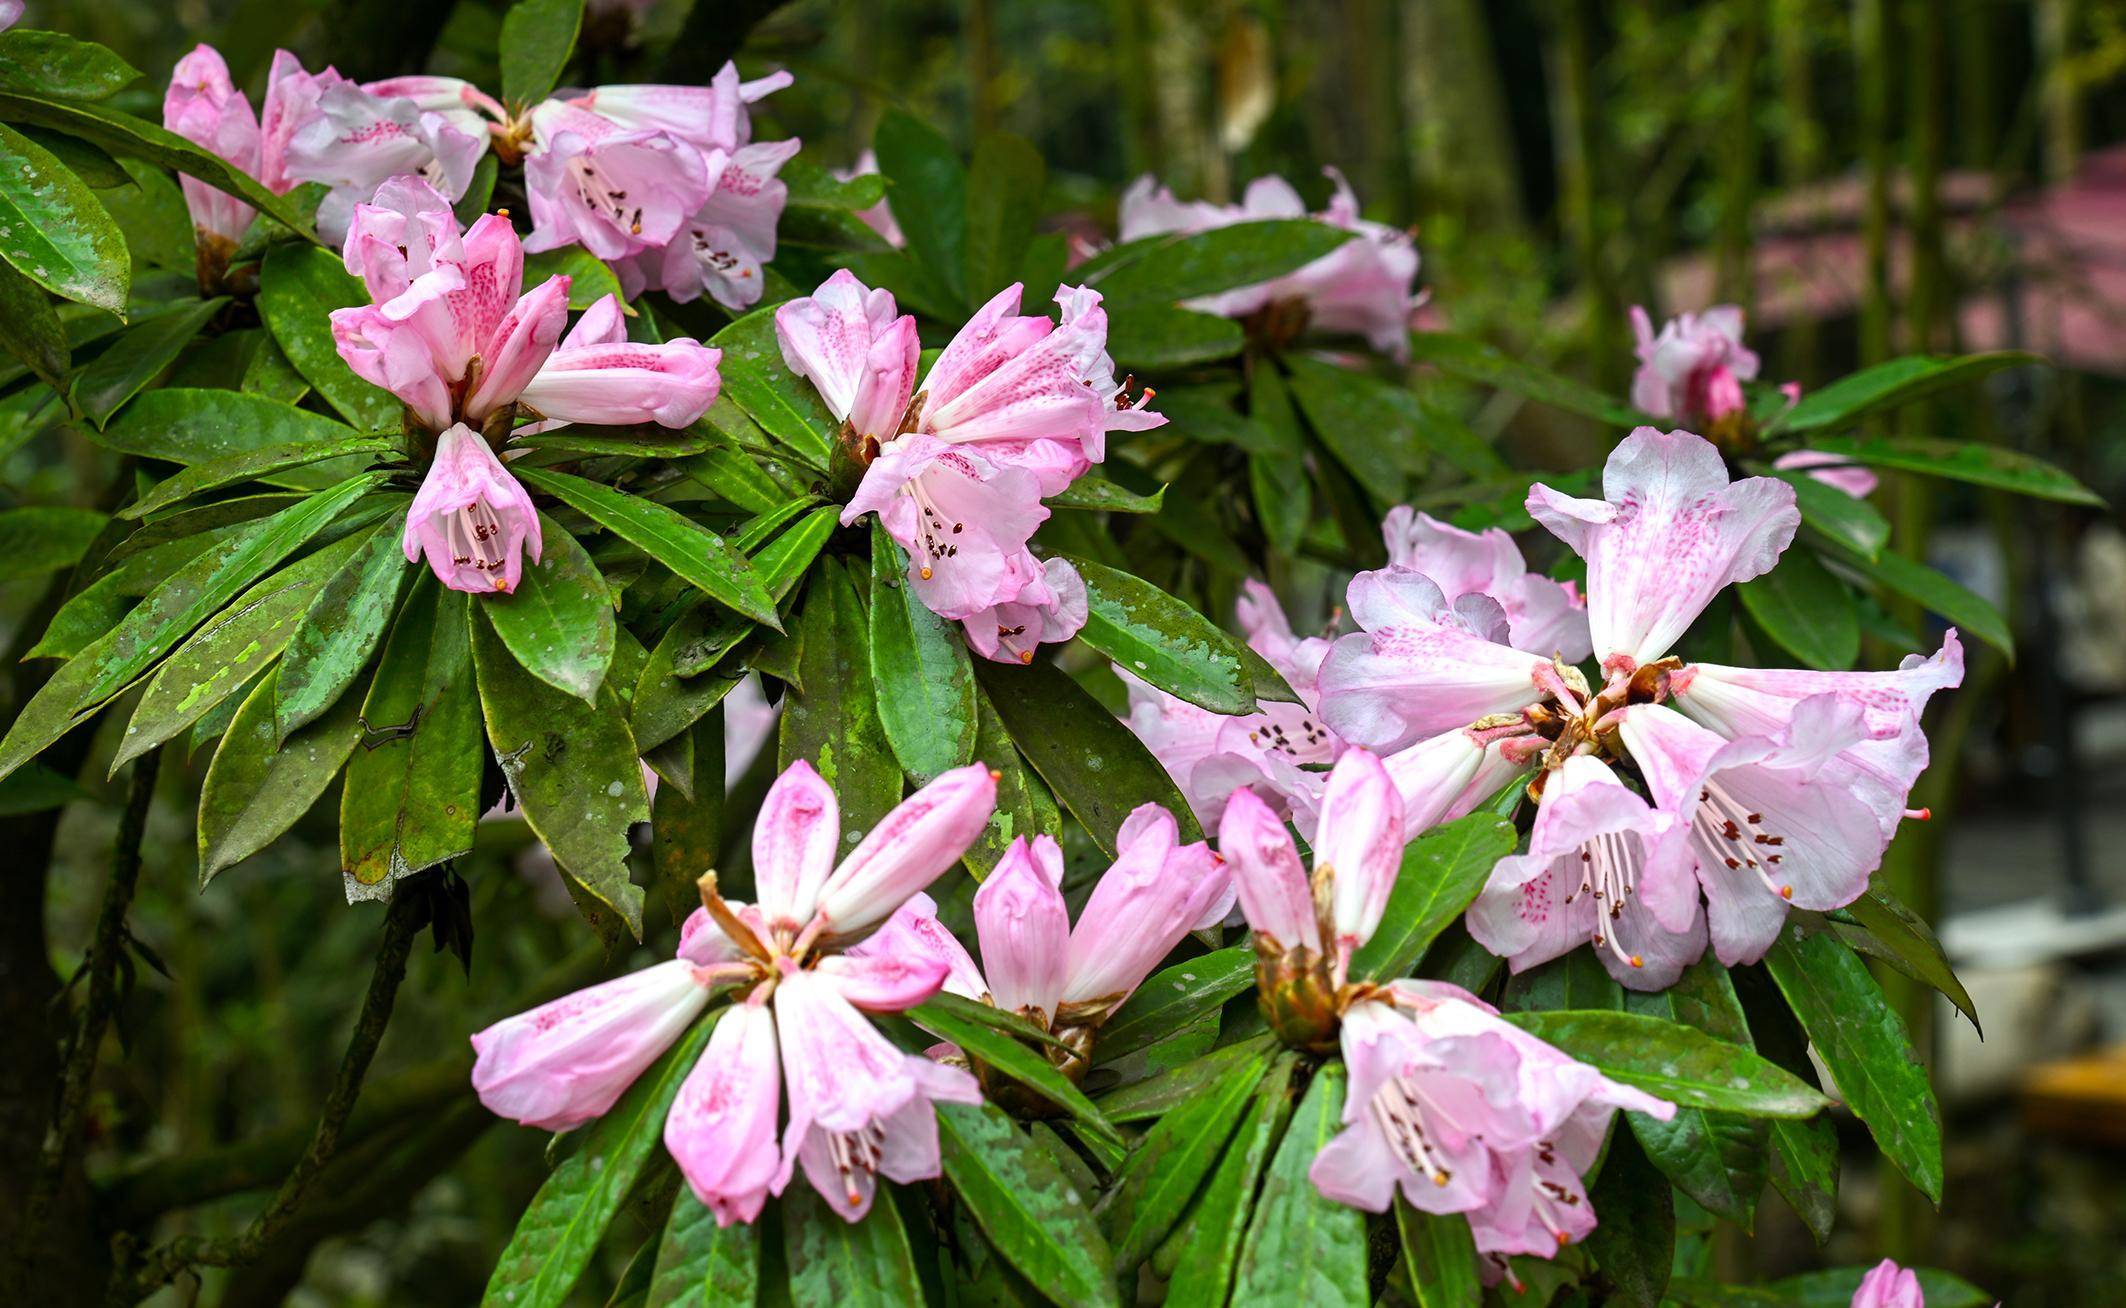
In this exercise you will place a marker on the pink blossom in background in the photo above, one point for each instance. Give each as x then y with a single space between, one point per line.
1362 288
471 519
1692 372
10 13
805 965
879 217
1889 1286
1830 469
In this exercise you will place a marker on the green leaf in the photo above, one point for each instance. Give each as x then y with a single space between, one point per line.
139 354
839 1264
298 288
46 538
1167 269
1718 1159
127 136
339 632
1004 190
965 1010
1367 425
55 231
1863 1044
1203 1275
590 278
1170 1163
641 442
703 1265
919 671
1909 944
1027 1208
1002 1054
250 465
1092 761
1804 1169
1473 360
1153 335
1441 874
813 187
1828 1289
689 828
559 621
929 193
186 425
479 190
574 770
560 1232
1439 1253
204 585
537 38
1098 494
413 791
1305 1248
1154 636
1577 980
258 785
1678 1063
1895 382
1635 1242
1994 466
1024 806
30 328
786 406
1938 594
222 656
50 63
1159 1094
834 722
701 558
1807 610
1174 997
1853 523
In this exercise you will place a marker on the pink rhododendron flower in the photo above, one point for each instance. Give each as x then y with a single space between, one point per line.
1889 1286
1693 371
719 251
1830 469
471 518
1362 288
879 217
806 974
1048 609
10 13
205 108
613 191
451 335
1544 617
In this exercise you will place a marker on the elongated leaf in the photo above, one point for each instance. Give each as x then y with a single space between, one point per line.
1024 806
664 704
97 607
1441 874
1440 1255
699 557
574 770
1863 1043
250 465
1203 1275
340 631
1911 946
1156 637
1576 981
50 63
187 425
54 230
224 654
1304 1247
1172 998
30 329
1156 1095
413 791
299 287
1804 1169
784 404
1093 763
125 135
703 1265
1024 1205
1366 424
1898 381
834 722
537 38
1807 610
561 1230
1677 1063
1980 464
1939 594
929 194
1170 1163
1635 1242
1103 496
1473 360
1003 1054
839 1264
1004 191
1168 269
1153 335
140 353
1853 523
919 671
46 538
258 784
1718 1159
559 621
963 1009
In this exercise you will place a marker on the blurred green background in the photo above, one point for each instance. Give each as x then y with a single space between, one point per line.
1865 177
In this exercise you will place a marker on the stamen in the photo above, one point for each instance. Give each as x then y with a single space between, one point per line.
1730 835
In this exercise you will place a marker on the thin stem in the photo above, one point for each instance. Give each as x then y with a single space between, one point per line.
402 921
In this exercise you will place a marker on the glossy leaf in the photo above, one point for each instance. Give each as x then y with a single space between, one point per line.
919 671
1862 1042
1895 382
1473 360
1853 523
51 63
1203 1275
1175 996
56 231
1154 636
1304 1247
1994 466
1718 1159
1024 806
1024 1205
1100 495
1441 874
1939 594
1677 1063
1366 424
299 286
258 785
1169 1164
559 621
1804 1169
839 1264
1806 610
537 39
46 538
1153 335
1635 1241
1909 944
703 1265
30 329
689 828
340 631
1439 1253
1167 269
1003 1054
560 1232
834 722
1005 188
250 465
786 406
139 354
929 194
188 425
590 278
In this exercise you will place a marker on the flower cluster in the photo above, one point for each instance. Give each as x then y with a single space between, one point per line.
1362 288
1456 1109
1015 408
802 966
1763 789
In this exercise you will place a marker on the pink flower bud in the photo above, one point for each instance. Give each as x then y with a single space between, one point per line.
471 518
